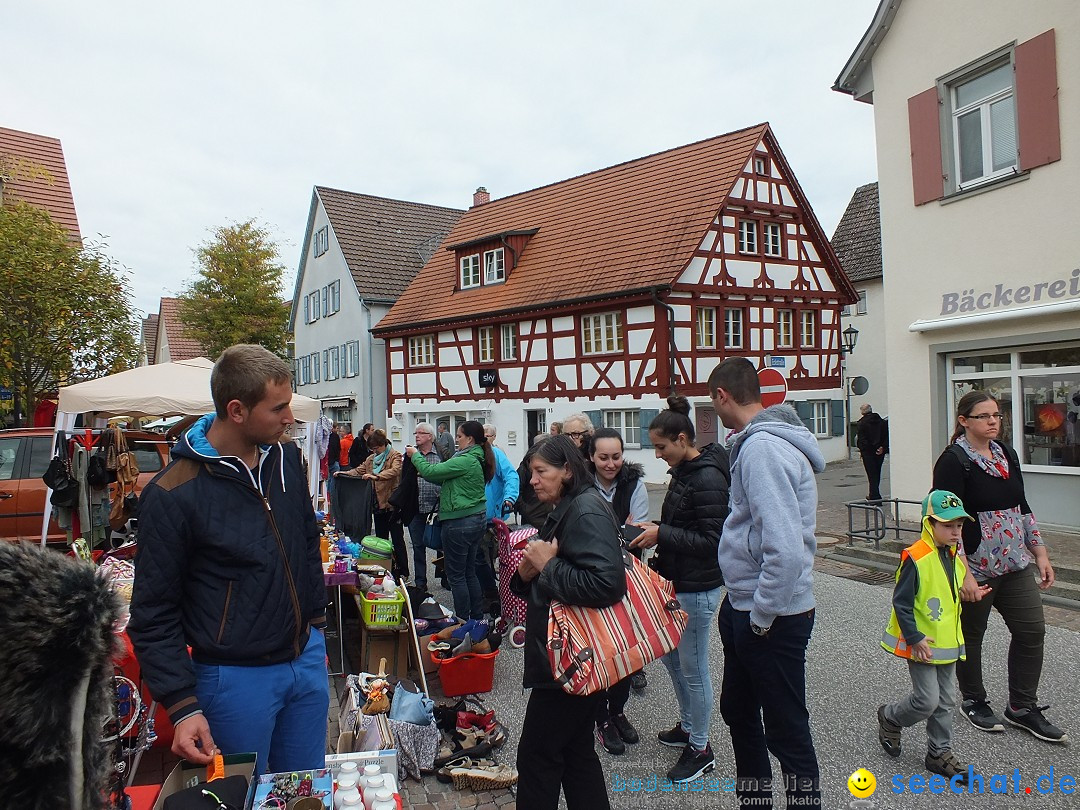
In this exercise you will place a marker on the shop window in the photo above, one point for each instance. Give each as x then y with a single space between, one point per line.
1051 414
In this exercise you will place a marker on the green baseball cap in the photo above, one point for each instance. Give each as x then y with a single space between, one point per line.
943 506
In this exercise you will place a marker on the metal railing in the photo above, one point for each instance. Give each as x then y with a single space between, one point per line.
880 520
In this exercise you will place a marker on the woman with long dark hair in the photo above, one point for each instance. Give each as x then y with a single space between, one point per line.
686 540
462 509
577 560
1001 546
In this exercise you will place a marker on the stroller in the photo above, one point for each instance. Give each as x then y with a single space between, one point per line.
511 549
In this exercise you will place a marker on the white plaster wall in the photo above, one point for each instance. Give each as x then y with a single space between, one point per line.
869 359
1017 234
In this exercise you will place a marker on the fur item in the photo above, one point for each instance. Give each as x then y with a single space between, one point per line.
56 618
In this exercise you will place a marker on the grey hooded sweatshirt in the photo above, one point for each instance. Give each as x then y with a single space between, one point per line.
767 548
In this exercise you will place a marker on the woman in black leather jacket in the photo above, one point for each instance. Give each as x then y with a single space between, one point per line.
686 543
577 560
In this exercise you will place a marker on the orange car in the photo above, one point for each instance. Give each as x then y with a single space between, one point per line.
25 454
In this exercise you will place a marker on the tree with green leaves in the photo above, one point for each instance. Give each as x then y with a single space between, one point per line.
65 308
236 296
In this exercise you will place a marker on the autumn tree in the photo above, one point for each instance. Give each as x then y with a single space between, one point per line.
65 308
236 296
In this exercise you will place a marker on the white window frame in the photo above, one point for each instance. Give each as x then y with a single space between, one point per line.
734 338
485 344
773 237
748 236
494 266
353 367
819 418
982 106
307 309
469 271
422 351
335 297
761 165
322 241
808 329
705 332
508 341
314 367
628 423
316 305
602 333
860 305
785 329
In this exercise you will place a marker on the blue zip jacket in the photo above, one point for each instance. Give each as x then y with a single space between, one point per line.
228 564
503 486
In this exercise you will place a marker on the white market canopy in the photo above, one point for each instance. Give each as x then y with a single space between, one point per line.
164 389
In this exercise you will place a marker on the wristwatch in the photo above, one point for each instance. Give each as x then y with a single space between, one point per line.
759 631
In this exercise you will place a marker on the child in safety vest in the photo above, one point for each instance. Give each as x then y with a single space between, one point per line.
925 629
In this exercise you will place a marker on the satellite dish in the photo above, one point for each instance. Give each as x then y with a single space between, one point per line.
859 386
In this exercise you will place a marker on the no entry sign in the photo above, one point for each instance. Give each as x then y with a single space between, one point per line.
773 386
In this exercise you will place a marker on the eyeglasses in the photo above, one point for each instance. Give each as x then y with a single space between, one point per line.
997 417
577 434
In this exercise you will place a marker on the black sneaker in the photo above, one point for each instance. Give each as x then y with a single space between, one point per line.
676 737
946 765
692 764
980 715
638 680
609 737
1032 720
626 730
888 733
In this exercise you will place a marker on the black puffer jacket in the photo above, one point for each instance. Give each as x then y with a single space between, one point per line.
588 571
692 518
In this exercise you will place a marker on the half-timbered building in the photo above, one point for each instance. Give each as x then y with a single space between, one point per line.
606 292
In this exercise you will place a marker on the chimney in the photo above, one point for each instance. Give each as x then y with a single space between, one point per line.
480 196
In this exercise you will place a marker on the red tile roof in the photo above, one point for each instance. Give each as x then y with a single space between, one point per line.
181 347
625 228
385 242
32 169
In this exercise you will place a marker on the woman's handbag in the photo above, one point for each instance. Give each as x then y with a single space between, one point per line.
433 533
58 478
411 705
593 648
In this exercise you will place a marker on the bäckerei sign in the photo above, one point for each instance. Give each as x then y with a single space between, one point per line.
1002 296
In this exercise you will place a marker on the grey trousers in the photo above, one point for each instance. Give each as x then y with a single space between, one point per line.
932 699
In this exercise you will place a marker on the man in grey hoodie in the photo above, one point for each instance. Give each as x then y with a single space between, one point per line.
767 555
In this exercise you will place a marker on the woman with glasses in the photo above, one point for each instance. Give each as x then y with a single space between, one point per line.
579 428
1000 546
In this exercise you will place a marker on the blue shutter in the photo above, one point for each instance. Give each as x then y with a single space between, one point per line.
596 417
836 411
307 309
645 419
806 412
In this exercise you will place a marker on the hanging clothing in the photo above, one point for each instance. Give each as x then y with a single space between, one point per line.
354 506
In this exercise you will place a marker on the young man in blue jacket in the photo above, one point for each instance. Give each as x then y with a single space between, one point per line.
767 555
229 566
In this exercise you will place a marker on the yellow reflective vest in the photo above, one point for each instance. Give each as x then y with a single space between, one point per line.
937 604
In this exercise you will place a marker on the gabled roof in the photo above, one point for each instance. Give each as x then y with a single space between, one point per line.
854 78
32 169
618 231
181 347
149 337
385 242
857 239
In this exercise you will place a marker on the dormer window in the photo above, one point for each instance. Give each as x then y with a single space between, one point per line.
470 271
494 266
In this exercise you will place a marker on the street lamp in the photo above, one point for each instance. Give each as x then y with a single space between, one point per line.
850 337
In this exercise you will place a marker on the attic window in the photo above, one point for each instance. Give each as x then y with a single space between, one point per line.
494 266
322 240
470 271
761 164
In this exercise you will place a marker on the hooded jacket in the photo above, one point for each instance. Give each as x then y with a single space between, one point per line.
767 549
871 434
229 565
692 520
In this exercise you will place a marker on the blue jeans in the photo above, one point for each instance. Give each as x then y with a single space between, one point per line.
417 527
461 541
765 678
278 711
688 665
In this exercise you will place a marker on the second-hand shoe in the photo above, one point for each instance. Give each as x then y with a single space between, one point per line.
609 737
692 764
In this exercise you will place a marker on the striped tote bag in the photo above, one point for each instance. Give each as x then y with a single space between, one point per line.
592 648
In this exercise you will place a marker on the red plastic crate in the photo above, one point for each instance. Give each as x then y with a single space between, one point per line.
467 674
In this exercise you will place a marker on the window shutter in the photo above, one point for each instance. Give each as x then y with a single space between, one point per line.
836 411
596 417
924 125
1037 101
806 412
646 416
307 309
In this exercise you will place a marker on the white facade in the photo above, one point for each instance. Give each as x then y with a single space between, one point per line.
982 286
337 361
869 359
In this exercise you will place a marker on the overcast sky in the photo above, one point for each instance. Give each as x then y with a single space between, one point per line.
176 120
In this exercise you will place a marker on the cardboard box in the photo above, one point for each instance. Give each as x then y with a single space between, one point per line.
316 784
385 759
393 645
430 667
186 775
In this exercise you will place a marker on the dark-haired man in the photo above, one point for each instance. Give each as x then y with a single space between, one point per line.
229 566
767 555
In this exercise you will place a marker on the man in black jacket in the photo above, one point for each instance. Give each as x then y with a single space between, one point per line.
229 567
871 442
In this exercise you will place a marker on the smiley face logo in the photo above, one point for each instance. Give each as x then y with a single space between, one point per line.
862 784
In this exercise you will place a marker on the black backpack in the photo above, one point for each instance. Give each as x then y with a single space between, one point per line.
965 459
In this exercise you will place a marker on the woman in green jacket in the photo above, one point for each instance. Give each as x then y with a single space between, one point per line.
462 512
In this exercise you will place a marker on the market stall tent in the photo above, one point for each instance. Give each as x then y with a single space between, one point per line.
164 389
